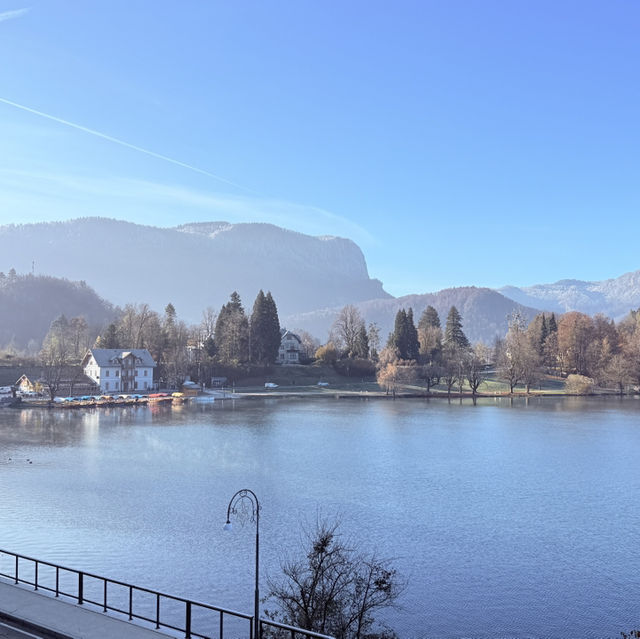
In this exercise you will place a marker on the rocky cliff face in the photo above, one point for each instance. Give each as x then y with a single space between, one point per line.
195 265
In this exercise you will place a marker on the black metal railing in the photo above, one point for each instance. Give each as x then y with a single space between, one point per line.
277 630
159 609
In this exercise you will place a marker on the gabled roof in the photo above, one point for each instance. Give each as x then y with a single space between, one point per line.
287 335
112 356
10 374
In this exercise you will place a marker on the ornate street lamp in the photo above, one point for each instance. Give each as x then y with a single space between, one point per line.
244 506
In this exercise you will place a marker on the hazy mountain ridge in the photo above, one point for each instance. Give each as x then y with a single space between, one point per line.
485 312
28 305
198 265
614 297
194 266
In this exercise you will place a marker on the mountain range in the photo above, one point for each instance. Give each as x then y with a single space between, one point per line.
198 265
195 265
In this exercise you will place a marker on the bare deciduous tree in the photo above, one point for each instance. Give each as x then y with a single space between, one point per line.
334 588
346 328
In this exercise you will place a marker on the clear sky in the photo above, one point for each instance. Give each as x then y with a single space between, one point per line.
457 142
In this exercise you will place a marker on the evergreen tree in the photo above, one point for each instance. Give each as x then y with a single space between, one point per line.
210 347
430 335
373 338
398 339
110 338
454 336
362 343
413 345
232 332
404 338
553 326
544 333
264 330
429 317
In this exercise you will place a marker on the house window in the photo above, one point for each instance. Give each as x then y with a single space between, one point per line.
135 386
106 386
145 386
116 386
106 373
292 355
145 374
117 373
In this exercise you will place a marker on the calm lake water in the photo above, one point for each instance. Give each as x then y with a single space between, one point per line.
507 519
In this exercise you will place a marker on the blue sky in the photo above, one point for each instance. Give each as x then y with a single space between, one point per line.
457 142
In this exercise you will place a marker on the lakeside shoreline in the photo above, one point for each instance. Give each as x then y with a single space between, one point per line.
335 394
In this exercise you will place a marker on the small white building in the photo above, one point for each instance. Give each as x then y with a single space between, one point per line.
290 347
114 369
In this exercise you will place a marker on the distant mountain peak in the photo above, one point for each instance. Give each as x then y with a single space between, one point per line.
612 297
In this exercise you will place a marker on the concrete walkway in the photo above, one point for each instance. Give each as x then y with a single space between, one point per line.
52 618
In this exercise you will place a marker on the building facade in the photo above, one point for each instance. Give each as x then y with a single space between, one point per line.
116 370
290 347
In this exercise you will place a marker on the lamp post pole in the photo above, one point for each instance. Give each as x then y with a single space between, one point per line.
244 505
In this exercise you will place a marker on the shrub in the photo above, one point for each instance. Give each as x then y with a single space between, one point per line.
579 384
327 354
355 367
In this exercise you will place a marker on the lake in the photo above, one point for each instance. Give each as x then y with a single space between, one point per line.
507 519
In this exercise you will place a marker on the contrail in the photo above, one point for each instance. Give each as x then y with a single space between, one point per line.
10 15
110 138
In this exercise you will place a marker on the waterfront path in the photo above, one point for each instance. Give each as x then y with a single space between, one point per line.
50 618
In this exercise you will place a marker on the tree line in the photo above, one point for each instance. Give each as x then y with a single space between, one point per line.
588 351
226 338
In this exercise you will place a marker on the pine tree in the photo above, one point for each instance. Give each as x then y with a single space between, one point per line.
232 332
373 338
398 339
404 338
110 338
429 317
544 332
362 343
553 326
454 336
264 330
413 345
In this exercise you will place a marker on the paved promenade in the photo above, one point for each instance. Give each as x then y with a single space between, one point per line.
51 618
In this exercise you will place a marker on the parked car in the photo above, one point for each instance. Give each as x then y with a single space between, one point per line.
270 385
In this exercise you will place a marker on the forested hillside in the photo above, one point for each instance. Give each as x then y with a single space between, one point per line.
484 312
28 305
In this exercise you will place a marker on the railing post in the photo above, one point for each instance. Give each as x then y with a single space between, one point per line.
16 568
57 581
157 610
221 625
80 587
188 621
130 603
104 607
36 579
